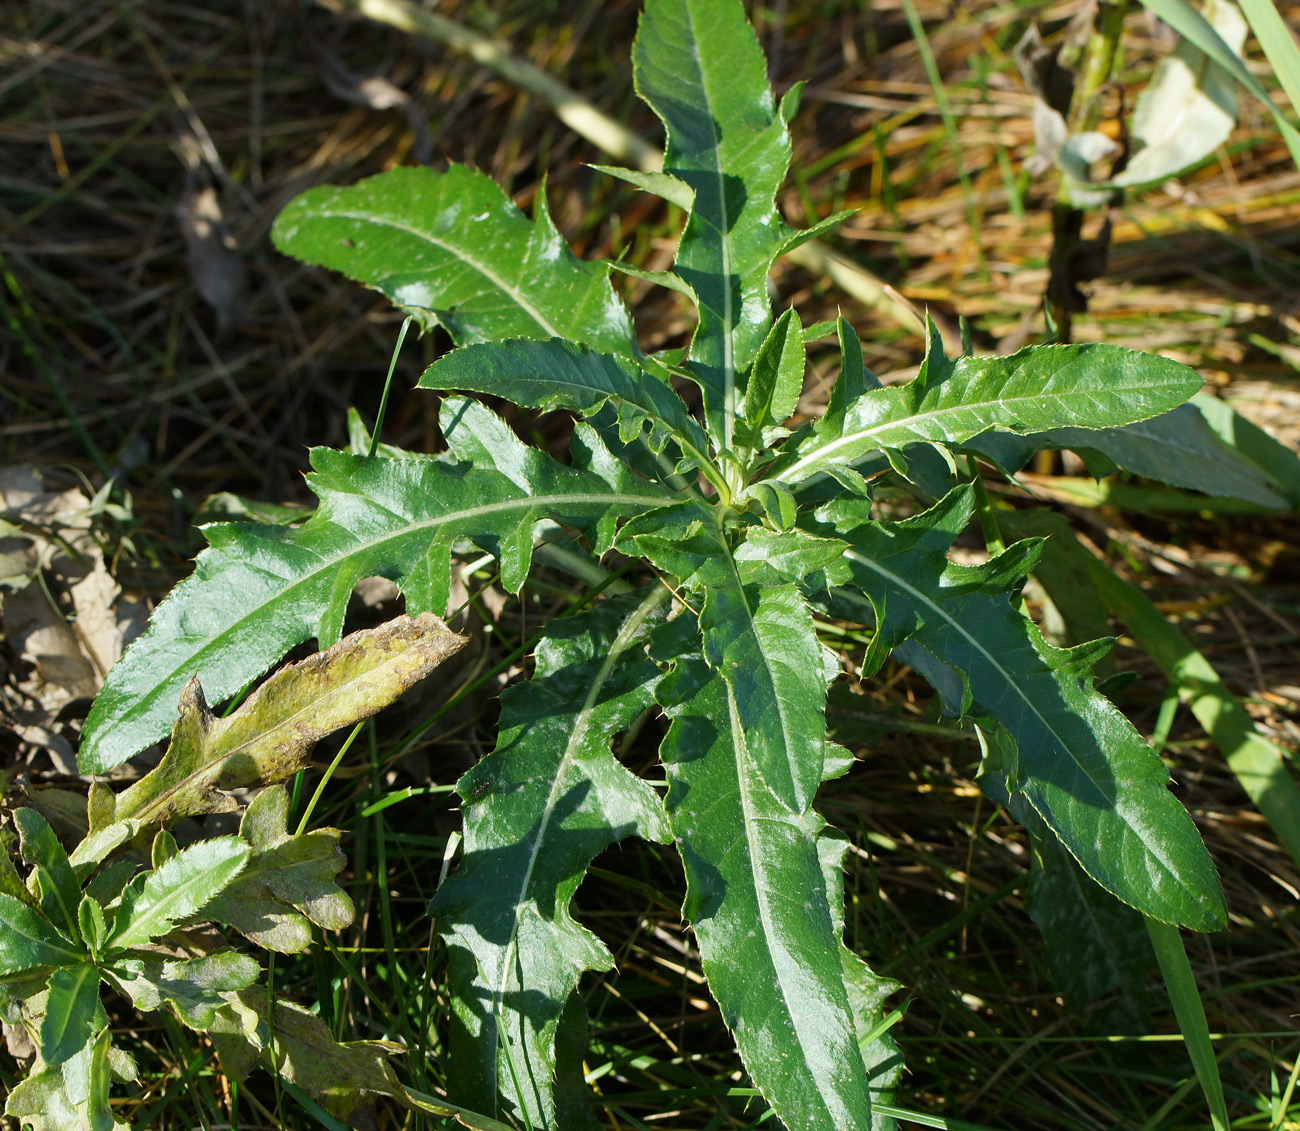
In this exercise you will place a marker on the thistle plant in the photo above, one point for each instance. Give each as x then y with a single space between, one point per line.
745 534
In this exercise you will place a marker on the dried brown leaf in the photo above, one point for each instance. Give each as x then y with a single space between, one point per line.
272 735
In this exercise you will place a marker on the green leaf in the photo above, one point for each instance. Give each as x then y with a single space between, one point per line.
88 1078
854 379
1081 765
672 189
793 554
699 66
259 591
28 941
101 806
1179 447
756 899
452 249
1279 463
98 845
52 879
70 1012
882 1060
41 1102
288 883
90 921
1095 945
758 635
1036 390
537 811
775 379
196 988
668 279
11 881
777 501
164 847
177 890
558 374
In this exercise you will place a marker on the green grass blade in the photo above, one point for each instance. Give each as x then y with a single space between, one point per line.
1278 43
1187 21
1257 763
1186 1000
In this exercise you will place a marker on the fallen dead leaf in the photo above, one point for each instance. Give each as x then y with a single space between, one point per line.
61 615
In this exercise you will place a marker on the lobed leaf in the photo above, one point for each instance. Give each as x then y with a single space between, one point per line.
288 883
699 66
198 989
41 1102
1036 390
1081 765
451 248
259 591
1095 945
882 1059
757 902
775 380
537 811
758 636
342 1076
559 374
1179 447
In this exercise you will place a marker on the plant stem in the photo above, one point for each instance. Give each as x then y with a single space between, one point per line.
1101 58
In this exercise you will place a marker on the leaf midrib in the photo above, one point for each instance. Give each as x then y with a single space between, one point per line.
218 643
765 915
157 910
571 751
456 253
724 246
10 929
786 729
876 567
646 405
817 455
158 802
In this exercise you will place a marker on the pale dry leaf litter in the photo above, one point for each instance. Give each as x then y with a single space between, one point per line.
62 618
